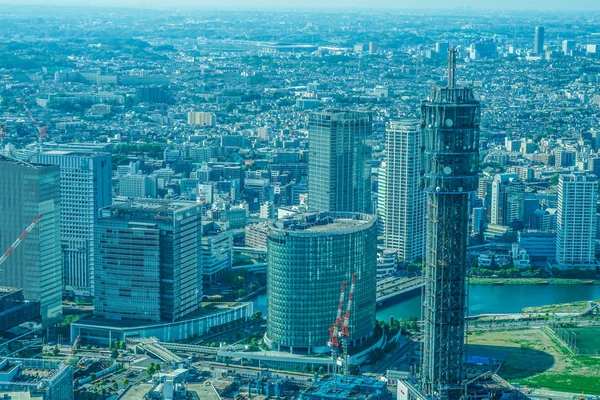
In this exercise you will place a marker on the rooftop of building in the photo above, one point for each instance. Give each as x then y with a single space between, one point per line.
318 223
353 387
15 161
5 290
30 371
159 209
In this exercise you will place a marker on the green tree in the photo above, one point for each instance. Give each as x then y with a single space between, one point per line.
93 376
114 353
55 351
125 381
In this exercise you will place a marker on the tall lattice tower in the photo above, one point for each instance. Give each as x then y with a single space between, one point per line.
450 125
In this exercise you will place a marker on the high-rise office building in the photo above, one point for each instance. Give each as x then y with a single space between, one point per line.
308 258
339 162
568 46
148 261
403 201
26 191
85 188
450 120
508 196
538 44
576 220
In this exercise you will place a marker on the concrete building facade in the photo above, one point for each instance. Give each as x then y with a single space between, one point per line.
85 188
576 221
403 201
508 193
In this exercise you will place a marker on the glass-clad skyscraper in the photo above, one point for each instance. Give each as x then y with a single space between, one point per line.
339 161
149 261
308 258
26 191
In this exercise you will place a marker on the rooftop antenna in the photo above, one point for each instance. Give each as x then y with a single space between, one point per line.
451 67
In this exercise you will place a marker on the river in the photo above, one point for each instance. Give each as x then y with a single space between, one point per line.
486 299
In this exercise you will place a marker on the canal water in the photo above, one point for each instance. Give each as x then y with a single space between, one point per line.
486 299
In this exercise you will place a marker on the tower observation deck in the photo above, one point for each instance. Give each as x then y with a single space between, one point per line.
450 125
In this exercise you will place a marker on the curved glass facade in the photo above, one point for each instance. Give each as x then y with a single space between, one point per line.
309 256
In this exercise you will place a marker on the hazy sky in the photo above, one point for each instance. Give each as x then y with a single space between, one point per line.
330 4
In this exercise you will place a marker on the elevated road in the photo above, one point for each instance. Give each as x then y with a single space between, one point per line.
390 288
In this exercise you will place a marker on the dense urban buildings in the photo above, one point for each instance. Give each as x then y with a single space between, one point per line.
162 238
249 121
339 161
85 188
576 221
27 191
308 257
450 121
402 204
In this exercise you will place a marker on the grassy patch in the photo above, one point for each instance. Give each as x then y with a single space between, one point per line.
537 360
531 281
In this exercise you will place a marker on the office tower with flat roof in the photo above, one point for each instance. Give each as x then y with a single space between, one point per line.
403 201
576 221
26 191
85 188
308 258
538 44
339 162
148 261
508 199
568 46
450 123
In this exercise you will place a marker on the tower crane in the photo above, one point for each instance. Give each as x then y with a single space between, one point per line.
334 333
18 241
346 326
41 129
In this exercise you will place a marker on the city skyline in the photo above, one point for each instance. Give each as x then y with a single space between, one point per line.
528 5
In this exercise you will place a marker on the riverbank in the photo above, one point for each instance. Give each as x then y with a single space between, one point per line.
574 307
532 281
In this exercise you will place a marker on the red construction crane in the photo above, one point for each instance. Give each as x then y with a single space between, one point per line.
18 241
346 319
334 334
346 326
334 329
41 129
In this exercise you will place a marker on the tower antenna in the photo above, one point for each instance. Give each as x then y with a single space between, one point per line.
451 67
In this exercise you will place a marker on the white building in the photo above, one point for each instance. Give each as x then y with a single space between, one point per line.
217 251
85 188
402 204
508 193
576 221
202 118
137 186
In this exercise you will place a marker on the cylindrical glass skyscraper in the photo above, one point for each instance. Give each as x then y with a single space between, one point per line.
309 256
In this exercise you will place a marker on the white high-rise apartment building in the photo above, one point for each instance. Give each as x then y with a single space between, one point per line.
85 188
576 222
202 118
508 193
402 204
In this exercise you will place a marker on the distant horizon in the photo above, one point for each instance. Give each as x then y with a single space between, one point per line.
333 5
